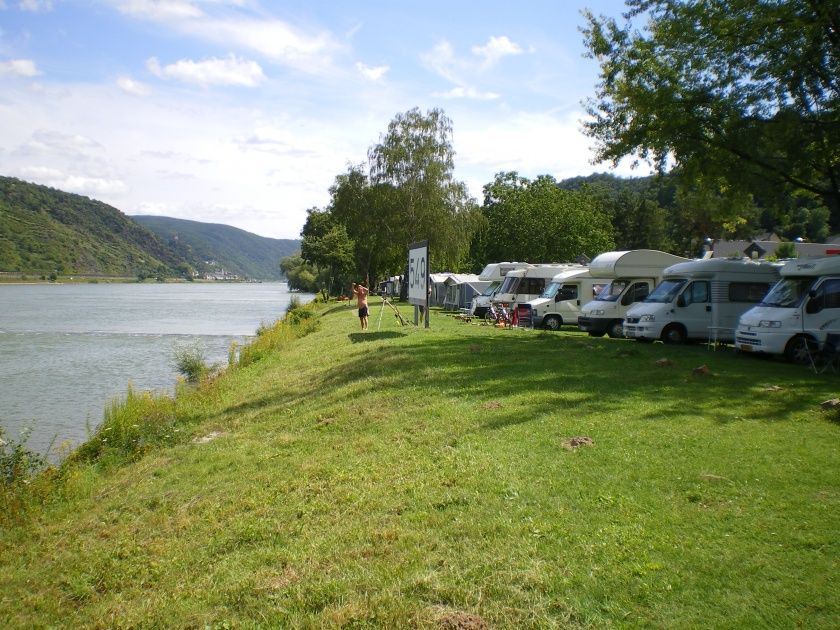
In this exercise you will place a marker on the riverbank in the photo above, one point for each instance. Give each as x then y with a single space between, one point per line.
462 475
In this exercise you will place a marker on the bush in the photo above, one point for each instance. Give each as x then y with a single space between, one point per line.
18 464
190 363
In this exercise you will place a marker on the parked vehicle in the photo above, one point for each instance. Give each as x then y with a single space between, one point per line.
562 298
701 299
494 273
523 285
633 276
799 311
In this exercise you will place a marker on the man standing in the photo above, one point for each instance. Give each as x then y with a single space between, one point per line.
361 293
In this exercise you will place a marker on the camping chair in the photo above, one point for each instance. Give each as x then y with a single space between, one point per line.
828 355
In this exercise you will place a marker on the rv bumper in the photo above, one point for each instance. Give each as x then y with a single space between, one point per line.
480 311
749 339
594 325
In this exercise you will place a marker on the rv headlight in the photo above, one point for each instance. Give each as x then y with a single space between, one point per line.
647 318
597 311
769 323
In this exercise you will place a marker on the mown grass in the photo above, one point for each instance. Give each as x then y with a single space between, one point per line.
424 478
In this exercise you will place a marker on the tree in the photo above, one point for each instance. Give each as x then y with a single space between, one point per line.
536 221
412 165
741 90
301 275
327 246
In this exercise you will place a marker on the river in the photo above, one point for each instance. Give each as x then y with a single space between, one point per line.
66 350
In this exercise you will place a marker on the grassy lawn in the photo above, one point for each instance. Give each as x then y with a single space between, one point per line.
428 478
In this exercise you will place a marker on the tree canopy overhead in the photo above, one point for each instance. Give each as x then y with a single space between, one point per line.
746 90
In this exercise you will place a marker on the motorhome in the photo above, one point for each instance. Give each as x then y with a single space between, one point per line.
523 285
562 298
799 311
633 275
494 273
701 300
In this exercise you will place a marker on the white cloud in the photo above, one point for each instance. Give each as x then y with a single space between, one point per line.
35 5
58 142
467 92
19 68
373 73
495 49
230 70
80 184
160 10
130 86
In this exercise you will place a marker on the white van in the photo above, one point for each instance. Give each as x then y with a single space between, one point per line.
798 312
633 275
561 301
523 285
701 299
493 273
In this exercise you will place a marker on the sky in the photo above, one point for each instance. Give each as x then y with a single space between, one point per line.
243 112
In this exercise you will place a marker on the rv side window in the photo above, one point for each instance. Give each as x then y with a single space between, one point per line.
532 286
568 292
752 292
696 293
510 284
636 293
831 293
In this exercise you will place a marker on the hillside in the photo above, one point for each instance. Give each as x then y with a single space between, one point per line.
43 230
463 476
234 250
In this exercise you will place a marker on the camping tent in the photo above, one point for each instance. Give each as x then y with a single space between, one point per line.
460 289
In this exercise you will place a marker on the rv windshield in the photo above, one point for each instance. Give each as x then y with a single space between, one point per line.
551 289
613 291
509 285
788 292
491 289
666 291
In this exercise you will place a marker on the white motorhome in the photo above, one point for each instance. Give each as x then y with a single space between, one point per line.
633 276
799 311
701 299
561 301
494 273
523 285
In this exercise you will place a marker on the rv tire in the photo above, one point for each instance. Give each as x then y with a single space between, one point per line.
799 350
615 330
552 322
592 333
673 334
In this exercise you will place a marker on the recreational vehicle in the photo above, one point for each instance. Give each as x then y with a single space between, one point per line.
494 273
561 301
799 311
633 274
701 299
523 285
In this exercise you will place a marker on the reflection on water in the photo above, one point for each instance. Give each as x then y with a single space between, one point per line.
66 350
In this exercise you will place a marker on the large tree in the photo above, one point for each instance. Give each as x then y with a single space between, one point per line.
744 90
538 222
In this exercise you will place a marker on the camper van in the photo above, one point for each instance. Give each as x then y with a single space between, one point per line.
701 299
799 311
633 274
494 273
561 301
523 285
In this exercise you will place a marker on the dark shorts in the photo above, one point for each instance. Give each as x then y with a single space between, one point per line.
363 312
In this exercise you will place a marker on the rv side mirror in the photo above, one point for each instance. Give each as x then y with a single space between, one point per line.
812 293
814 305
681 299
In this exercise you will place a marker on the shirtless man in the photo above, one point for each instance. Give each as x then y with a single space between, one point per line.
361 293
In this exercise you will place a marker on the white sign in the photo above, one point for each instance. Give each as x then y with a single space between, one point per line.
418 273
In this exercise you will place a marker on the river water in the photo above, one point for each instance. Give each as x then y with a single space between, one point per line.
66 350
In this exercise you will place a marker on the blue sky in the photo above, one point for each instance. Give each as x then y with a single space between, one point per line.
244 111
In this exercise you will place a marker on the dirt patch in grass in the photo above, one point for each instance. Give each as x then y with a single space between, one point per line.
493 404
457 620
209 437
576 442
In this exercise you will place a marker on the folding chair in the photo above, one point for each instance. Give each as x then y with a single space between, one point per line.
828 355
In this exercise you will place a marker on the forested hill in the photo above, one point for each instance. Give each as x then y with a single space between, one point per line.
214 245
43 230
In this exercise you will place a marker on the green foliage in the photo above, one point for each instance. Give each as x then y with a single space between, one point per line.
302 276
785 250
745 91
191 363
299 322
18 464
537 221
327 245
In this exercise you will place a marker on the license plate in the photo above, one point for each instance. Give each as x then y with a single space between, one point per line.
745 348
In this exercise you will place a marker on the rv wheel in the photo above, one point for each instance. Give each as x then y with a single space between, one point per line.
592 333
552 322
800 349
615 329
673 335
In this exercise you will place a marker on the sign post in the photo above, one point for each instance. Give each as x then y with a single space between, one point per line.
418 279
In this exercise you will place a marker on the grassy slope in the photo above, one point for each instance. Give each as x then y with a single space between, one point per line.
400 478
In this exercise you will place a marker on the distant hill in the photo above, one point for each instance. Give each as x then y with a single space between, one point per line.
43 230
212 246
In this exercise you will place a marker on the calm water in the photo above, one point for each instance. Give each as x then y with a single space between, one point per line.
66 350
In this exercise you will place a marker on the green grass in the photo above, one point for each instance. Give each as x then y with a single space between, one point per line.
414 478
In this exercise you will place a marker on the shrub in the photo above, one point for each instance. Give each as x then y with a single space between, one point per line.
18 464
190 363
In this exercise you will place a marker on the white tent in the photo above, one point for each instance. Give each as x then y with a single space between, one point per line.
460 289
